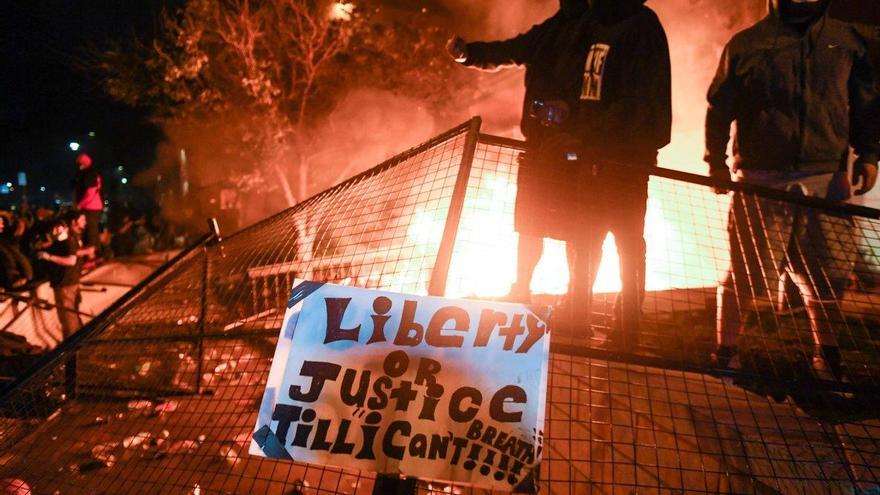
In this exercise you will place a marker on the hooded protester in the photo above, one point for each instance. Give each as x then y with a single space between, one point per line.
623 117
553 58
801 90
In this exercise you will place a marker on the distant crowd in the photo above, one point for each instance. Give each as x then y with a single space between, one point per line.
25 233
58 245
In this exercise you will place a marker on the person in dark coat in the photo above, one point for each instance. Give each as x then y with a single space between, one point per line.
801 90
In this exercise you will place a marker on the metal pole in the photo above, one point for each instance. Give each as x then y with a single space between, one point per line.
440 273
214 228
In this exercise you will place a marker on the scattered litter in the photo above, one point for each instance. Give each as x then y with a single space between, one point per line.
165 407
183 447
230 453
137 440
99 420
144 368
104 453
139 404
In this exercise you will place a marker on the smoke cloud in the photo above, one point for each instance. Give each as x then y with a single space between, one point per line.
369 125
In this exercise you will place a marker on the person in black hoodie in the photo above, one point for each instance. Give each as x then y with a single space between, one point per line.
604 64
623 117
552 55
801 90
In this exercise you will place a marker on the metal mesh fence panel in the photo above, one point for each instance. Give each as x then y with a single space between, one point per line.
160 394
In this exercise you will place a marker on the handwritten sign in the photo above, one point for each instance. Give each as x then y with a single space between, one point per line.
435 388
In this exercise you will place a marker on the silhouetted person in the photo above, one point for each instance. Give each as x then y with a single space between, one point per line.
801 90
623 117
549 51
89 198
15 268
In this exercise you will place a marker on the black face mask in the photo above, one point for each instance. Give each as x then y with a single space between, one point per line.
611 11
801 12
572 8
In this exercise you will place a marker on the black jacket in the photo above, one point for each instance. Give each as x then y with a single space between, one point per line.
625 98
799 98
549 51
629 118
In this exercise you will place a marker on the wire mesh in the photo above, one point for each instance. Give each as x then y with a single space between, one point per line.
160 395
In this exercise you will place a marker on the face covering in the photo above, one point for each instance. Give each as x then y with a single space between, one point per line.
800 11
572 8
611 11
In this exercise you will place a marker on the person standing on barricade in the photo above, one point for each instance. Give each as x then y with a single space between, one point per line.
624 117
544 202
801 90
598 98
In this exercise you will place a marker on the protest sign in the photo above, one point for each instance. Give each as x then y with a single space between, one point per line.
429 387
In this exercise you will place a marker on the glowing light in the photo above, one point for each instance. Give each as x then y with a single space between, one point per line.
91 133
341 11
120 168
124 180
42 188
74 146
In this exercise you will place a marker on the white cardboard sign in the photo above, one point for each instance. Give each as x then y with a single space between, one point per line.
435 388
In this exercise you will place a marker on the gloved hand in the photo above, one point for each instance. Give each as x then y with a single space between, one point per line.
720 174
457 48
864 173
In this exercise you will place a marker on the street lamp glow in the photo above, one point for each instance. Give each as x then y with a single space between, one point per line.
119 168
124 180
74 146
42 188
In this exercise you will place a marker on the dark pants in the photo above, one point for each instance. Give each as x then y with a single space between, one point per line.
92 233
67 299
611 200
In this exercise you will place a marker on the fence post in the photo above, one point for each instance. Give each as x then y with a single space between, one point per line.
440 273
214 229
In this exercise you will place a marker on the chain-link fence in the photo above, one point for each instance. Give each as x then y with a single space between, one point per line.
159 394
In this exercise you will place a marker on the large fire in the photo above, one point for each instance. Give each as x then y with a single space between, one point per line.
683 230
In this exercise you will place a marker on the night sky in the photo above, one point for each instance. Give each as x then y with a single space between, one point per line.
47 103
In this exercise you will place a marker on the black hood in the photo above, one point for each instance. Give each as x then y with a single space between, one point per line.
573 9
798 13
613 11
